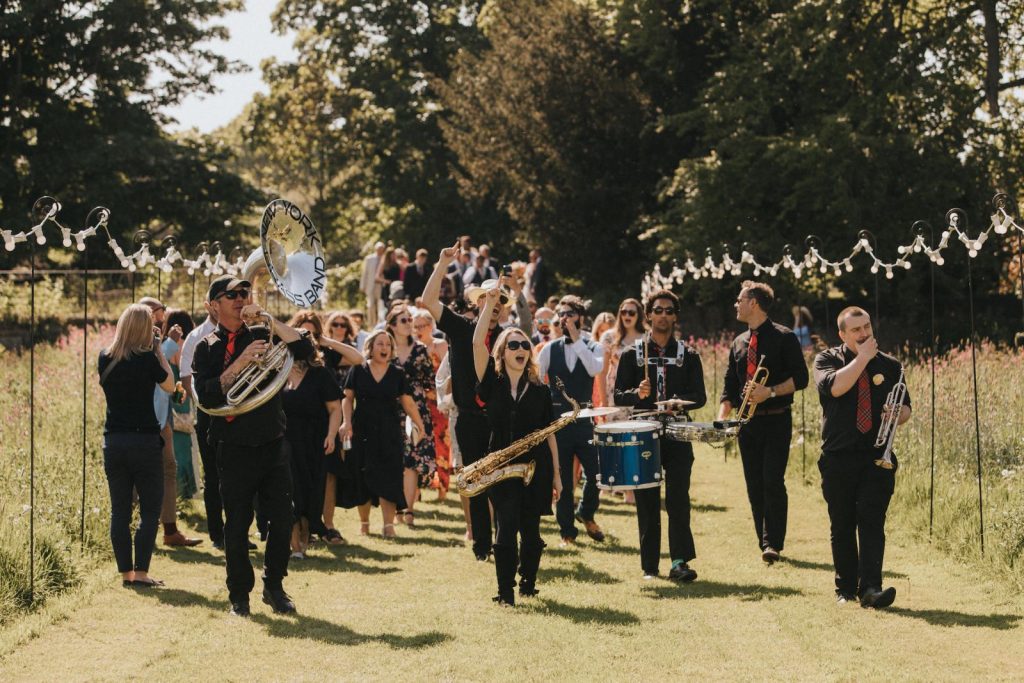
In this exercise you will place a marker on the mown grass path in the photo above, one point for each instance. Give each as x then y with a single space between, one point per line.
419 608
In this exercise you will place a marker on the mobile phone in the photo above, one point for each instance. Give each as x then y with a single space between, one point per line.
506 270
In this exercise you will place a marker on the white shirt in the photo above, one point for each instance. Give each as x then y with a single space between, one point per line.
368 282
188 349
361 339
593 360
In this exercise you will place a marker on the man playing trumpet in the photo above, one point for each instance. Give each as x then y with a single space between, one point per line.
854 381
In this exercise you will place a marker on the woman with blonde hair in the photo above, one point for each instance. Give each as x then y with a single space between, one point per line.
378 389
517 404
130 370
629 326
604 322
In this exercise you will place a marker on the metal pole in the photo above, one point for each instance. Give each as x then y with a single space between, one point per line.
193 313
85 384
931 486
32 430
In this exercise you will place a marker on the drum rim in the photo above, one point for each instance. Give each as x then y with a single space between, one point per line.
613 427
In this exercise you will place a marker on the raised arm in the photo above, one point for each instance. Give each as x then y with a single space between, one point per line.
432 290
480 333
348 353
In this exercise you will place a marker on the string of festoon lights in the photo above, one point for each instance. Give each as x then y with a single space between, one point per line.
1001 222
47 209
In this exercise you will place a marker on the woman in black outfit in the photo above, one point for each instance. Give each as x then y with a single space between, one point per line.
380 392
517 404
130 369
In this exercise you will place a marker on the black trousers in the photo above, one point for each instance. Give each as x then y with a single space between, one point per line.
764 449
134 461
677 462
211 480
516 514
248 473
473 434
857 492
574 441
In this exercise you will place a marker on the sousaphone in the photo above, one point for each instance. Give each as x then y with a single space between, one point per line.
291 256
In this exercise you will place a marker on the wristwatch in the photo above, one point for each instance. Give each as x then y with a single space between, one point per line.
772 392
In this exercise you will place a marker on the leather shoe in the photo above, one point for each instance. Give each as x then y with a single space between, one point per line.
252 546
240 609
594 531
181 540
878 599
278 600
682 572
770 555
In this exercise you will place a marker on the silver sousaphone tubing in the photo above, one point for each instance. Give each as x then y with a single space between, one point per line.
291 255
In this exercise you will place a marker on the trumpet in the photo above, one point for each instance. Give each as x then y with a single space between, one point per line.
747 407
890 420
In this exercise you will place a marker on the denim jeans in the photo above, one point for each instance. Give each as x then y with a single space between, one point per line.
134 461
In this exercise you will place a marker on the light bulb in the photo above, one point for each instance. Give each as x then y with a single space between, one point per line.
132 267
888 273
906 265
900 249
940 261
874 269
972 253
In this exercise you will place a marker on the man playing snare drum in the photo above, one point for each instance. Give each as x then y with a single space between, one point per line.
672 371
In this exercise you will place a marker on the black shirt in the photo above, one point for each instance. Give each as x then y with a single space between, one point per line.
684 381
839 414
129 390
259 426
460 355
783 358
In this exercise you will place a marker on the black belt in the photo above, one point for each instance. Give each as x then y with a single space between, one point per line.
772 411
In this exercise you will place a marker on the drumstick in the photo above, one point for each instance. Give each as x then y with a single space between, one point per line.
645 358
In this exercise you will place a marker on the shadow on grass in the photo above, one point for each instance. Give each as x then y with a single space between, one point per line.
410 539
578 572
583 615
941 617
339 565
826 567
346 552
714 589
319 630
454 529
708 507
193 556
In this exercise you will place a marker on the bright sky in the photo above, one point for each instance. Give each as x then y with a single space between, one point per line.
251 41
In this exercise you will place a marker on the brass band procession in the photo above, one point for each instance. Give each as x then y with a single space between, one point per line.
526 405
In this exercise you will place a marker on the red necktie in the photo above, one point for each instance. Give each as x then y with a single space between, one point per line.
229 352
863 403
752 355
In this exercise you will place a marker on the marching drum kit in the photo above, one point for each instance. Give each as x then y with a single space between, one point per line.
629 450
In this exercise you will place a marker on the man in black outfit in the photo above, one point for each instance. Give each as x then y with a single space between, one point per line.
673 371
854 381
764 441
415 277
251 460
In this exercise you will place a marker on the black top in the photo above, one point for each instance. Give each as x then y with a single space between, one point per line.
839 414
783 358
684 381
259 426
460 355
511 419
129 391
334 362
308 398
415 281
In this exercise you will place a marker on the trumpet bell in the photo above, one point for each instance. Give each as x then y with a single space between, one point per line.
293 253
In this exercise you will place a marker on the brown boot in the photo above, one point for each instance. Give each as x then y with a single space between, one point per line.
180 539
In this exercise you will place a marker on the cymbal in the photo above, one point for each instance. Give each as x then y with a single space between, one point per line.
593 412
674 404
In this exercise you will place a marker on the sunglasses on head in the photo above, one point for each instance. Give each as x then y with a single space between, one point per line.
515 345
235 294
628 311
663 310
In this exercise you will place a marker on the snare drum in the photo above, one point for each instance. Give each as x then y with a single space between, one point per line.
703 432
629 455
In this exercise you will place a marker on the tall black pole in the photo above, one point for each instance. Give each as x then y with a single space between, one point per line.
193 312
919 228
85 375
32 429
868 236
953 217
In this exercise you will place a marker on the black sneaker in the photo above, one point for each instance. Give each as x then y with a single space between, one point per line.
240 609
770 555
528 592
252 546
502 602
481 558
278 600
878 599
682 572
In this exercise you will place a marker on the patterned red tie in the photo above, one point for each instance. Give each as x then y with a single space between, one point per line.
752 355
229 352
863 403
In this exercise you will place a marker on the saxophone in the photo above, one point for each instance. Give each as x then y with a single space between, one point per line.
493 468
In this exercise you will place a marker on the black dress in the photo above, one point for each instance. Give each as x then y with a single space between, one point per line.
378 440
517 508
308 421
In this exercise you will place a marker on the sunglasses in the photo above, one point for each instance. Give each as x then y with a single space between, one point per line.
545 321
234 294
401 320
628 311
566 314
341 325
515 345
663 310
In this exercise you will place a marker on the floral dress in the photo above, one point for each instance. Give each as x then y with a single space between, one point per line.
419 372
442 447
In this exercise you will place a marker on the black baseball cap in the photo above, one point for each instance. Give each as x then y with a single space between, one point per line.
223 284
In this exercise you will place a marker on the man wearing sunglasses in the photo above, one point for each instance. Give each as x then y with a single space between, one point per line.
251 458
576 361
673 371
546 325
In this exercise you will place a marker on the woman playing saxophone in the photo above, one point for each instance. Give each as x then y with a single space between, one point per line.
517 404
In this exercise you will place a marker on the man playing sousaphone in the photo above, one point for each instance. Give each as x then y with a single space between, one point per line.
251 458
854 381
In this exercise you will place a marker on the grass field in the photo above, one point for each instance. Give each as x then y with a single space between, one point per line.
419 608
